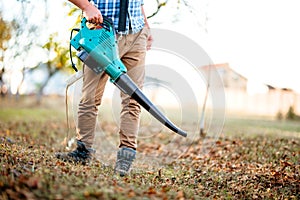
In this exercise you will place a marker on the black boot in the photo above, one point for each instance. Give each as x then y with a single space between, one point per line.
81 154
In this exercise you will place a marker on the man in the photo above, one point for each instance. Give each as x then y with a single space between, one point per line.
133 40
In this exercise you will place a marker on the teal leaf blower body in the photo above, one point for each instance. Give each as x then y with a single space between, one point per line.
98 49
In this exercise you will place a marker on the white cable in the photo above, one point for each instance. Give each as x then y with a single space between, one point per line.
70 81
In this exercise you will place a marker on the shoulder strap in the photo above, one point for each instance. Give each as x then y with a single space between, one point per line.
122 15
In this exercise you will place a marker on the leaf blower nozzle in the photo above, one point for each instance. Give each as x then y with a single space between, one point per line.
125 84
98 50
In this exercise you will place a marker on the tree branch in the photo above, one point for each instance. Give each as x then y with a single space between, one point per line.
159 5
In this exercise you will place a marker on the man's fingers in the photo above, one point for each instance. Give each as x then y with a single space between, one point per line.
96 19
99 19
149 42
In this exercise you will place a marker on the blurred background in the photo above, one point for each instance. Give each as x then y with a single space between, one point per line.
254 47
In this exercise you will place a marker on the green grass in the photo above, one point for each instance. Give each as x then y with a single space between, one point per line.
256 158
29 114
258 126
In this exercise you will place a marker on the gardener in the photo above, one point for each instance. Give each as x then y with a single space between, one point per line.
133 35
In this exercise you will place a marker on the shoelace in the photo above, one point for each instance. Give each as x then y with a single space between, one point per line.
124 164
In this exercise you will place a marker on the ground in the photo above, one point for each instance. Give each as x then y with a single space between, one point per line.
254 158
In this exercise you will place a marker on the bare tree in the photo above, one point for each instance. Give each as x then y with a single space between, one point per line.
24 38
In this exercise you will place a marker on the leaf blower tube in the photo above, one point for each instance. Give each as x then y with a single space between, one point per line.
129 87
98 50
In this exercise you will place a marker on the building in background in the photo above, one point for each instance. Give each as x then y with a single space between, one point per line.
249 97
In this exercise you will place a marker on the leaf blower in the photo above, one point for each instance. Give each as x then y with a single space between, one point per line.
98 49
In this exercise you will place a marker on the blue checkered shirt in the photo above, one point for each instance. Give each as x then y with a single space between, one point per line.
135 17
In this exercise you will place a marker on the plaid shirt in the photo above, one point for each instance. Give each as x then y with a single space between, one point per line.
110 8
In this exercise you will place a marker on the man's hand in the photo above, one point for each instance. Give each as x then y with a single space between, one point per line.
149 41
92 14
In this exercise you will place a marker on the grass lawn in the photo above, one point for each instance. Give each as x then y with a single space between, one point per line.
254 158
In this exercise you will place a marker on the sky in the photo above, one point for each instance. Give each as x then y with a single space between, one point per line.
258 38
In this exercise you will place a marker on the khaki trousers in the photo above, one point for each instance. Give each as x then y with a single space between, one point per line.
132 51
